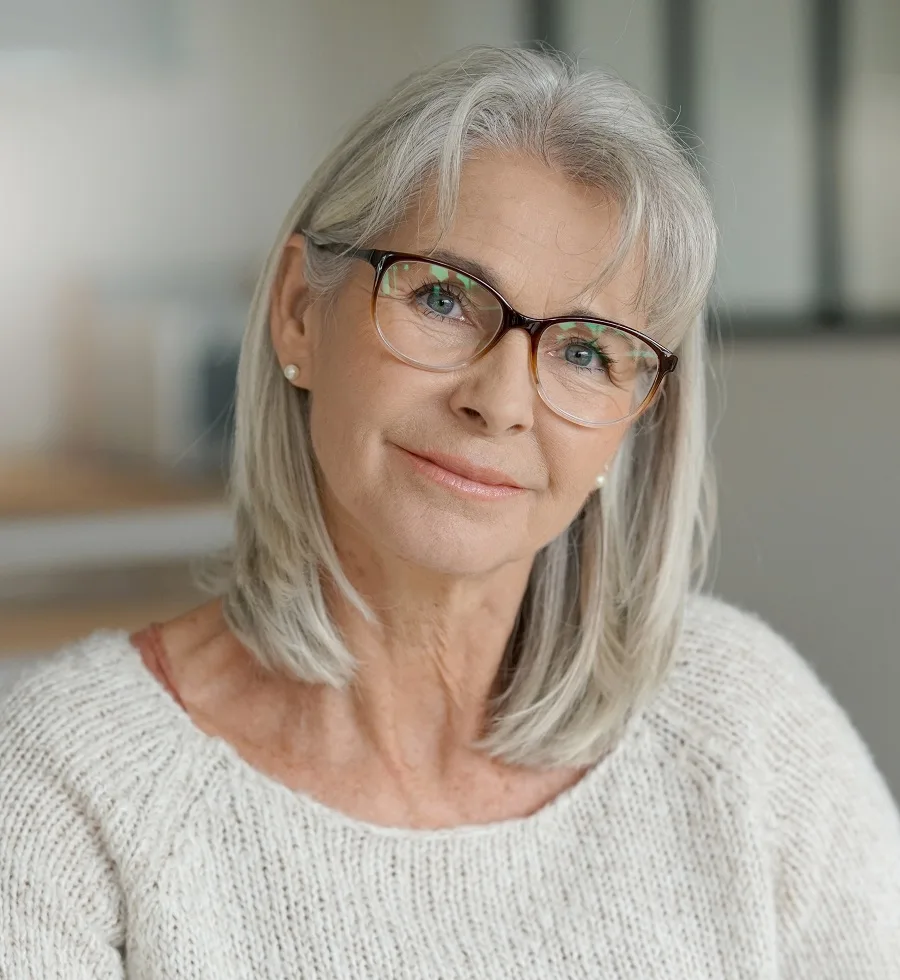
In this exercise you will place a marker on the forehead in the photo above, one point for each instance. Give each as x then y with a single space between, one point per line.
542 238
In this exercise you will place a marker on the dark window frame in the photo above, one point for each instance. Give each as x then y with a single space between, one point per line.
829 313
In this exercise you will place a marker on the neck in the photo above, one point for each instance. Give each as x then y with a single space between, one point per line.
428 667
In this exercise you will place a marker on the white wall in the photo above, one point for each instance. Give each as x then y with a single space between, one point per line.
188 172
871 155
808 454
626 37
754 117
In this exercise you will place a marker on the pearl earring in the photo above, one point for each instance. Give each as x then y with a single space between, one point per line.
601 481
291 371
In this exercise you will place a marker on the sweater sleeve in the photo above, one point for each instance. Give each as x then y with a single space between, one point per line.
836 836
60 908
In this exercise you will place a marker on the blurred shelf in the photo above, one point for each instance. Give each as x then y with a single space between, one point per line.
59 512
38 485
88 543
98 540
38 628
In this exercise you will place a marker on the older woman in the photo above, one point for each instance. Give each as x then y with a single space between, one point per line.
457 706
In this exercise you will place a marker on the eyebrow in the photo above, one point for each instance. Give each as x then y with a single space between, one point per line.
490 276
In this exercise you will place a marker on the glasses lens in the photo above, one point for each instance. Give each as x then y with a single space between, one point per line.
593 372
433 315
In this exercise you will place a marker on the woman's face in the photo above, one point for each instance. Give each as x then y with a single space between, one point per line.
543 238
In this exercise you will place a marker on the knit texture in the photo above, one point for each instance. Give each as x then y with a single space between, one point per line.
740 829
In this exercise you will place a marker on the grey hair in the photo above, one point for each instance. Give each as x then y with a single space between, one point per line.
602 613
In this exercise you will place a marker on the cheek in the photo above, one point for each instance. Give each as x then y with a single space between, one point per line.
358 384
576 460
339 396
344 360
345 346
358 392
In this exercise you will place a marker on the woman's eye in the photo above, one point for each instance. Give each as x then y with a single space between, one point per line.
583 356
438 300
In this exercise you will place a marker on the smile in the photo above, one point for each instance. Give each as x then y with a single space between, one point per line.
457 482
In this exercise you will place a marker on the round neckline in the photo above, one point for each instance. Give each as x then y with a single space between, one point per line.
221 751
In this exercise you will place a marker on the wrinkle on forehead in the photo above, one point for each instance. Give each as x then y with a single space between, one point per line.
587 246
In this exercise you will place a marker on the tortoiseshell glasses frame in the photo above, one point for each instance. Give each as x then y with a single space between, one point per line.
382 260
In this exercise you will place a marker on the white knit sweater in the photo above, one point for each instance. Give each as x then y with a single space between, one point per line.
739 830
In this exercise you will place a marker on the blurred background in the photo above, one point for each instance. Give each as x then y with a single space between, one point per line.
149 149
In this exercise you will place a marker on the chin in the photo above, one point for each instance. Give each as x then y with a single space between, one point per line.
456 547
430 527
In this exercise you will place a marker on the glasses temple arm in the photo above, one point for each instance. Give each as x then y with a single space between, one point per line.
371 255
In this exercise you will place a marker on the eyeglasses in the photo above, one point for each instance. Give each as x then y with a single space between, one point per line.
438 317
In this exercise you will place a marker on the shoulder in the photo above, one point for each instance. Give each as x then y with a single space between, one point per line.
51 699
745 710
738 686
75 706
740 693
54 859
92 755
742 704
89 790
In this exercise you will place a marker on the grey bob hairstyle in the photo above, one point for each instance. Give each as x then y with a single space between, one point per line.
603 610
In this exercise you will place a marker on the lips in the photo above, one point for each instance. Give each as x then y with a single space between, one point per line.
465 468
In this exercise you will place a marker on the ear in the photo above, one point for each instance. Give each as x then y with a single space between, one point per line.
289 319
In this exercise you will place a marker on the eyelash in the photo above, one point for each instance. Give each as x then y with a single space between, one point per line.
426 288
604 358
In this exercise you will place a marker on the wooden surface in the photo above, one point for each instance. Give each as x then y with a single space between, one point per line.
38 628
45 484
61 606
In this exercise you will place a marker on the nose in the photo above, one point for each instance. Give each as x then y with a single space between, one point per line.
496 393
